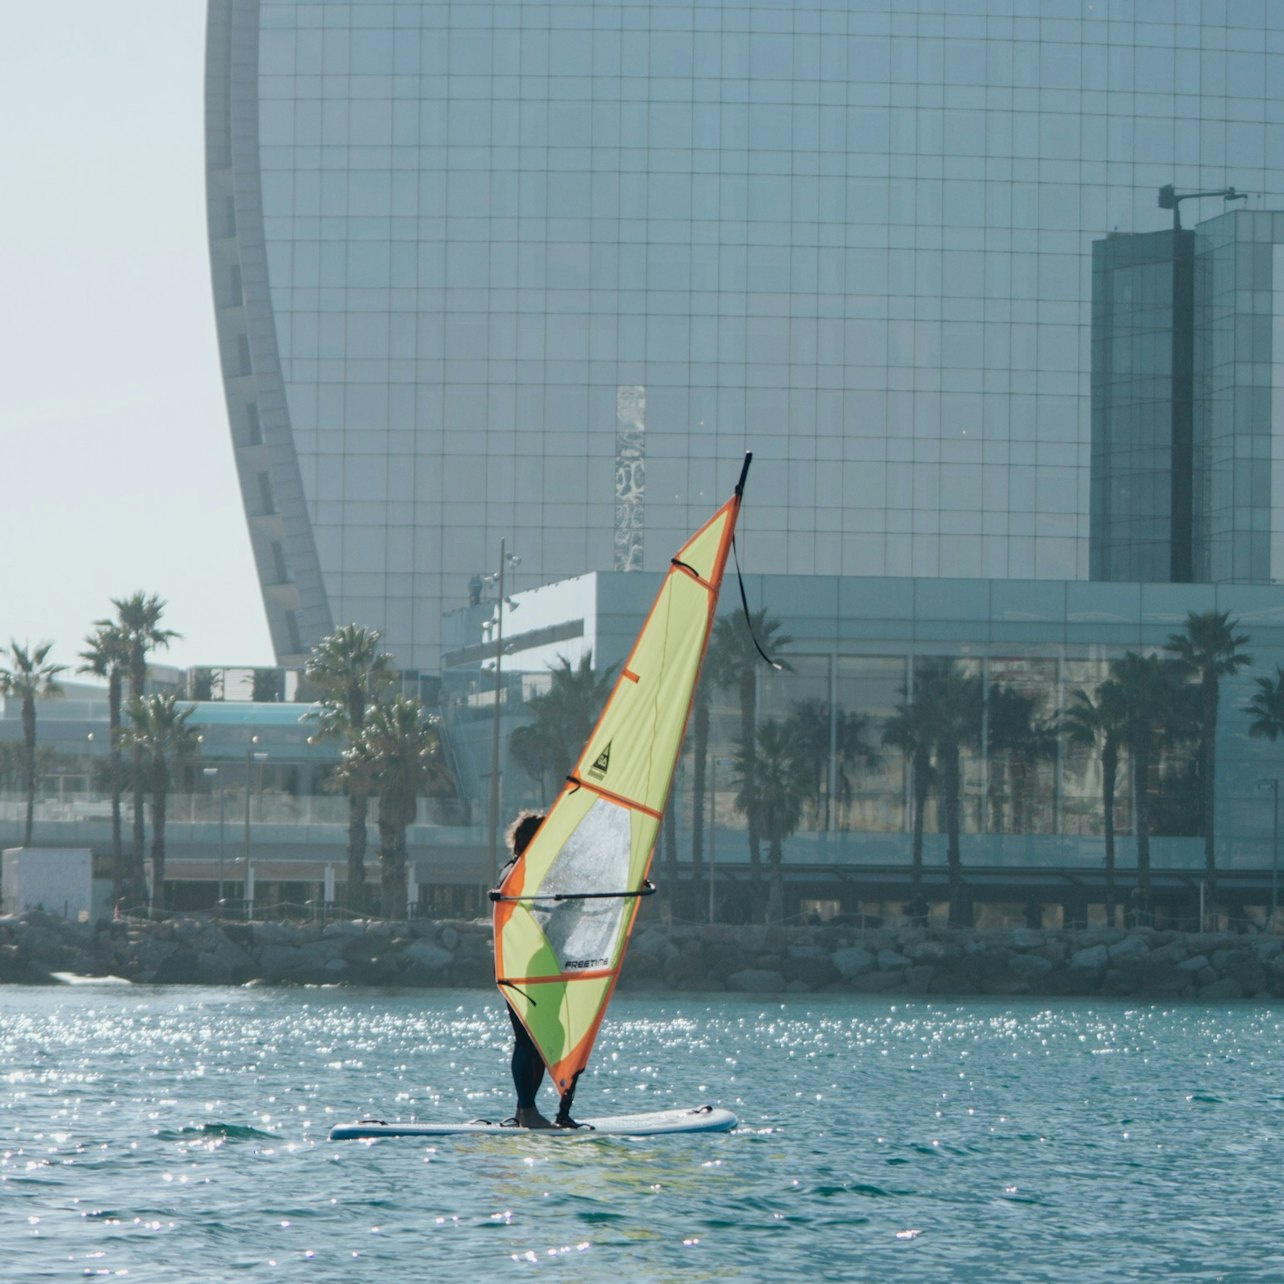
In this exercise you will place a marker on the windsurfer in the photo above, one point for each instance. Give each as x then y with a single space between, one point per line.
527 1064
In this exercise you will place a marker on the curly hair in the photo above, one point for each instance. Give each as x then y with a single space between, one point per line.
519 834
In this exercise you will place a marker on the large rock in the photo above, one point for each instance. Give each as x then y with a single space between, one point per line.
342 928
264 934
814 972
1160 980
1092 959
754 980
1031 968
878 982
428 957
177 968
211 969
1226 988
1171 952
922 952
1245 968
852 961
1130 948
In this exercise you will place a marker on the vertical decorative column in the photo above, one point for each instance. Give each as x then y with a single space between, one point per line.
630 476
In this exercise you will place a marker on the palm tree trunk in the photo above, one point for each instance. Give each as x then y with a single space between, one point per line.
160 800
699 765
29 764
119 873
921 768
357 807
1210 766
1109 767
137 876
392 865
776 876
959 914
1141 814
671 849
749 739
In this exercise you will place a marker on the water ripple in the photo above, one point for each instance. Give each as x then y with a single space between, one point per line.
174 1133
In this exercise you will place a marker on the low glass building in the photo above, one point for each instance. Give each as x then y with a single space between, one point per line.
1031 813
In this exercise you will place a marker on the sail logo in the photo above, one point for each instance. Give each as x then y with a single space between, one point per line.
601 764
583 965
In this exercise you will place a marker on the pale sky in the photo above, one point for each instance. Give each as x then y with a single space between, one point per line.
117 468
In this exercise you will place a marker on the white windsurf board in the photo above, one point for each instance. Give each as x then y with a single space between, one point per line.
654 1123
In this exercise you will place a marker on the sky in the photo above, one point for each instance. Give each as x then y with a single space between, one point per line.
116 466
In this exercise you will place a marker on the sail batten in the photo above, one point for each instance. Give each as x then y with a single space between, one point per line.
564 913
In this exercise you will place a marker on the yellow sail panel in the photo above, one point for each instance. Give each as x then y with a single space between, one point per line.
564 912
635 745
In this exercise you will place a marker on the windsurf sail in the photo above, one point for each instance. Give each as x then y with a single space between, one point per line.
564 912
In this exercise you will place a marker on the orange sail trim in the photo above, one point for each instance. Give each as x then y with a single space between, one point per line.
600 834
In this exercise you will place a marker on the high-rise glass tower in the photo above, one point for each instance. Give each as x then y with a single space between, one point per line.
1187 426
541 272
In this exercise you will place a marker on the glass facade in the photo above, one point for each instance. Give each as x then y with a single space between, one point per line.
542 272
1030 792
1239 378
1142 318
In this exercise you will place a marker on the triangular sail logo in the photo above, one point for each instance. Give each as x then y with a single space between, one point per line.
601 764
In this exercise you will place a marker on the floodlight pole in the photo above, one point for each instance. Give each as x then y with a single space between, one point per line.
494 730
1170 199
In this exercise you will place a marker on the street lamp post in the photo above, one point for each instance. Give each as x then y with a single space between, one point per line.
493 819
248 897
222 817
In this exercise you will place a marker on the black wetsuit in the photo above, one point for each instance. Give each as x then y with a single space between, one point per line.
528 1065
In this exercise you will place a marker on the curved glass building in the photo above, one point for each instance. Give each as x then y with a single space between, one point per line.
541 272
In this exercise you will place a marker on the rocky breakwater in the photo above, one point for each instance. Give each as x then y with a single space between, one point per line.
1143 963
924 961
41 948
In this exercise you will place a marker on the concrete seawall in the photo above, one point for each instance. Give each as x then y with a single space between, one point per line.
752 960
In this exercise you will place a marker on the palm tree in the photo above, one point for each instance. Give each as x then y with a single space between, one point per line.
715 674
30 677
772 797
808 725
822 740
1019 738
353 676
398 751
138 623
1209 649
953 700
106 655
909 729
160 731
734 658
852 747
1100 725
1267 707
567 712
1144 687
530 747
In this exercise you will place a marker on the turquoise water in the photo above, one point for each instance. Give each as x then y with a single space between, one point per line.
162 1134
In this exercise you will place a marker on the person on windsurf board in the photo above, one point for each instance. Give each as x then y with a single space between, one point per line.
527 1064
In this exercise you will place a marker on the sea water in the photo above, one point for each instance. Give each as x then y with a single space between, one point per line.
177 1133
